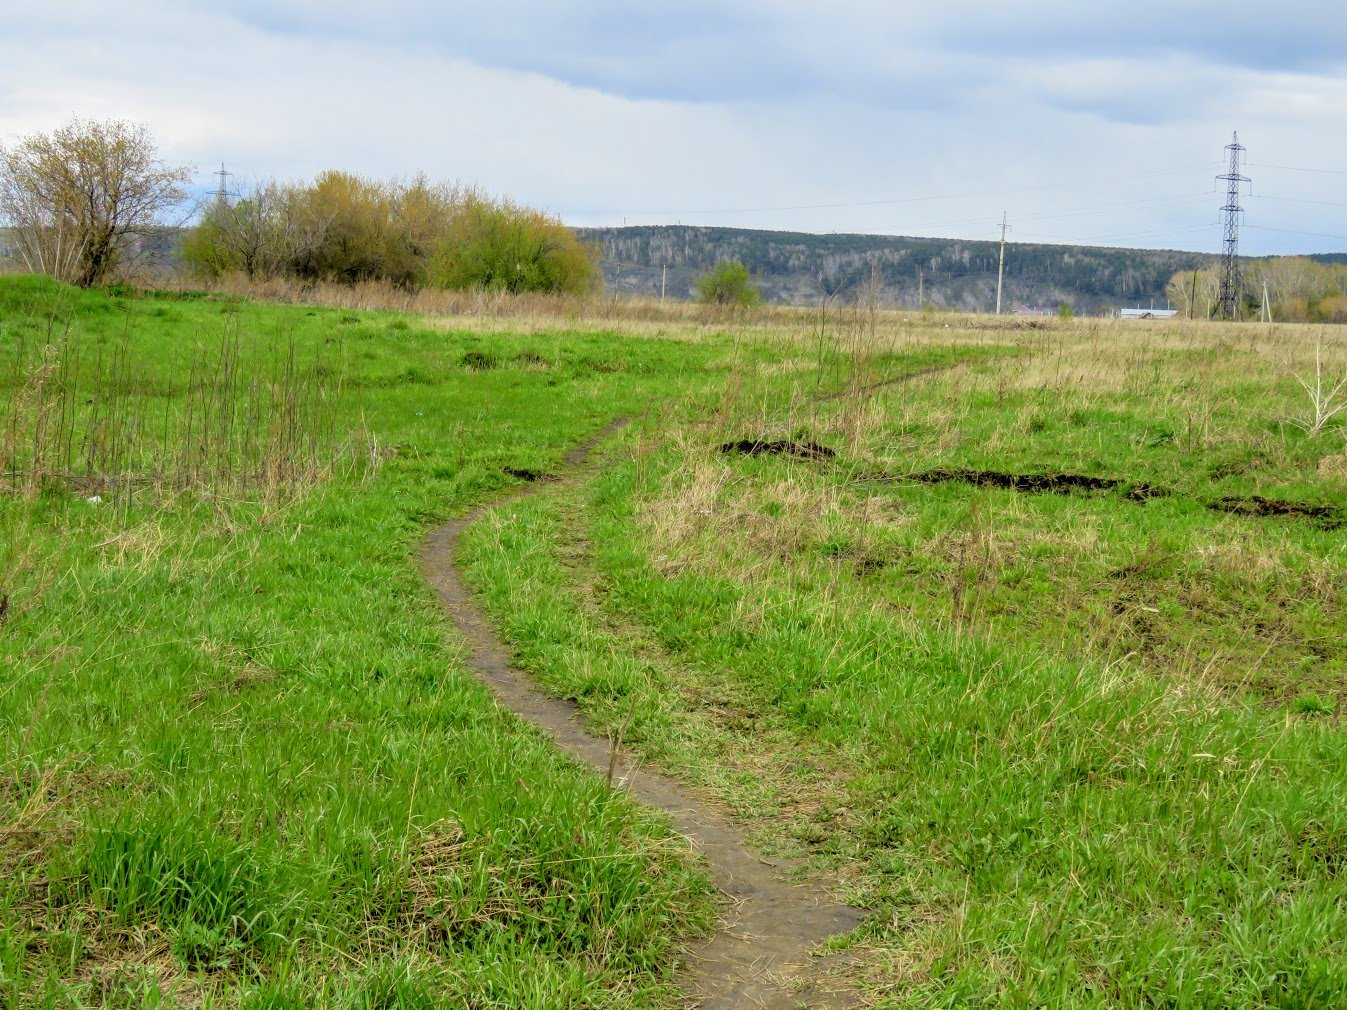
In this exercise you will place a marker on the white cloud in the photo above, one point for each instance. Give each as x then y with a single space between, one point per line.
1080 122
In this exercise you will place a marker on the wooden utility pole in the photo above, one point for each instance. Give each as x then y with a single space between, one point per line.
1192 295
663 280
921 288
1001 264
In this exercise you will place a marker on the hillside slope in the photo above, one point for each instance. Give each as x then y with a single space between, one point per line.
955 273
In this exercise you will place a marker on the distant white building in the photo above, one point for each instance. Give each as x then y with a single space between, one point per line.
1147 313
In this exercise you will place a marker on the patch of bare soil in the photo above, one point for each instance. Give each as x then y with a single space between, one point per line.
764 954
1325 516
779 447
1040 483
525 474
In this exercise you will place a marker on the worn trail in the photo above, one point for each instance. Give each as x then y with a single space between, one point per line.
762 957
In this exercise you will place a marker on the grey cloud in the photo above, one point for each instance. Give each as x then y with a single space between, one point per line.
1293 36
701 52
1128 92
878 54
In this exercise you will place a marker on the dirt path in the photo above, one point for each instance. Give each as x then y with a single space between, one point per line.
897 380
762 955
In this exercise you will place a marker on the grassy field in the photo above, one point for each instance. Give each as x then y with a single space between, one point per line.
240 762
1071 746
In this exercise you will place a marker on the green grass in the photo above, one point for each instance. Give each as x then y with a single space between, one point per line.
1070 750
242 762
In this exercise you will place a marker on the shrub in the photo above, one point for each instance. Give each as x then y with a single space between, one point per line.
499 246
359 229
250 237
728 283
347 229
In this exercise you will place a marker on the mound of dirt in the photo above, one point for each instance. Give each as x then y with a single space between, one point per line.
523 473
869 566
1325 516
1256 505
476 361
780 447
1040 483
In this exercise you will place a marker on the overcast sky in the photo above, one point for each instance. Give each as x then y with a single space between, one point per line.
1083 124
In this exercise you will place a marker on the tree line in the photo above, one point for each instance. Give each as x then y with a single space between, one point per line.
346 228
75 203
1295 288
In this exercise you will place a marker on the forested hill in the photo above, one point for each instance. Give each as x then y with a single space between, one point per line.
955 273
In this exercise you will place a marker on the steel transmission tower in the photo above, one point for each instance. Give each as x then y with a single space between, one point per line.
222 193
1231 288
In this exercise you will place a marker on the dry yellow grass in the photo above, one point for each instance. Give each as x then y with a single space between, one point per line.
1182 405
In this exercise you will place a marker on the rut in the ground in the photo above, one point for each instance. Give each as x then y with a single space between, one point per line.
763 954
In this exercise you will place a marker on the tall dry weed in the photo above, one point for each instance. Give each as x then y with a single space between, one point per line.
85 417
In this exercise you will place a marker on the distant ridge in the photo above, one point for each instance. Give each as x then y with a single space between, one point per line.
801 268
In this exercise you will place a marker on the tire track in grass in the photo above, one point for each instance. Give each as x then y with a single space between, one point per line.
1021 354
762 956
897 380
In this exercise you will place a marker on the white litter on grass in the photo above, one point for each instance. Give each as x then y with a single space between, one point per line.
94 499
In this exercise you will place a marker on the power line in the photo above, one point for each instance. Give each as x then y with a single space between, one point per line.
1296 199
911 229
1060 184
935 198
1298 168
1088 239
1292 231
1105 208
914 228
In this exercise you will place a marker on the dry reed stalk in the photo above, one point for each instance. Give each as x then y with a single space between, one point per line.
1323 391
247 421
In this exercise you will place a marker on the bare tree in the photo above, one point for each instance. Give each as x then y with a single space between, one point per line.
76 199
273 229
247 237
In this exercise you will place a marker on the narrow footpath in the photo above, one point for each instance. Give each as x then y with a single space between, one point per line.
762 954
